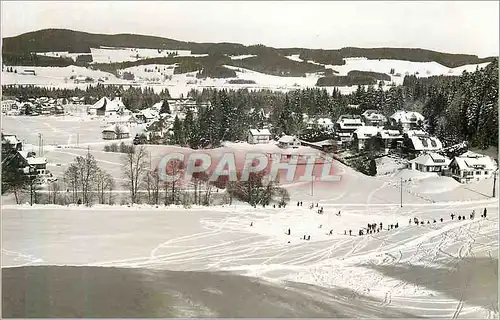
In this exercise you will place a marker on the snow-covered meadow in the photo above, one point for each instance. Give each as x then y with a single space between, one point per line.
160 77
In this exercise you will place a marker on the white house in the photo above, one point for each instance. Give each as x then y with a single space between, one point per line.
8 105
288 141
409 119
362 136
104 107
472 166
256 136
346 125
416 142
430 162
374 118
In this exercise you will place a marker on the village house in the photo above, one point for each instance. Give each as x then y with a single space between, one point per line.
8 105
10 142
417 142
37 163
363 136
115 132
471 166
105 107
430 162
288 142
409 119
388 139
345 127
257 136
373 118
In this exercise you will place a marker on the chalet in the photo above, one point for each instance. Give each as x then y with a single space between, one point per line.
373 118
80 79
10 142
362 136
288 141
115 132
104 107
257 136
419 142
471 166
346 125
430 162
38 163
388 139
409 119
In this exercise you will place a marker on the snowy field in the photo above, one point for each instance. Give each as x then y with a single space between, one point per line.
181 83
442 269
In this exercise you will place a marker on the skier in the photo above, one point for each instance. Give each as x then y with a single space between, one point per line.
339 213
251 224
381 224
397 225
459 218
345 232
452 216
409 221
428 222
484 213
441 219
316 204
309 237
350 232
298 203
331 232
274 206
463 217
288 231
434 221
301 203
320 226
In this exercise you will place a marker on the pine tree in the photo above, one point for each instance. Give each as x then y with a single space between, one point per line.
165 107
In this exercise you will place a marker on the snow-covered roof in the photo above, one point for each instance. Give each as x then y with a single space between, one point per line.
432 159
260 132
11 139
350 119
416 133
426 143
407 116
149 113
324 121
366 132
110 105
112 128
118 102
36 161
374 115
157 106
287 139
472 161
390 134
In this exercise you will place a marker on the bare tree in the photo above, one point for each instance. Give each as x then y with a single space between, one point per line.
153 185
87 170
110 186
135 164
103 179
54 189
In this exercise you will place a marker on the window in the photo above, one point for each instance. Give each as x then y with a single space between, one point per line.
486 172
478 172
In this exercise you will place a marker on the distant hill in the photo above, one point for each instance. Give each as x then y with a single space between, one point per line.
16 50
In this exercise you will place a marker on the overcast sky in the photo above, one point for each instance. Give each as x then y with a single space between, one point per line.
454 26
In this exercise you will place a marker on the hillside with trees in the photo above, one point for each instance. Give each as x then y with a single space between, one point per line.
18 50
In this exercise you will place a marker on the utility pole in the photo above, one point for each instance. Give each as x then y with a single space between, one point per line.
401 192
39 143
494 181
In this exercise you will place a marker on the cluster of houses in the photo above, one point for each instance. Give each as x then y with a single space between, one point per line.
369 131
26 161
34 107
